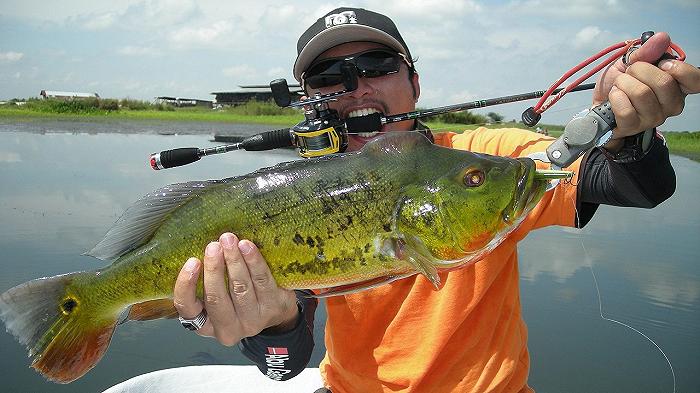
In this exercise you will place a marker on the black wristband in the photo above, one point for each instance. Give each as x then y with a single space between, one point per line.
634 149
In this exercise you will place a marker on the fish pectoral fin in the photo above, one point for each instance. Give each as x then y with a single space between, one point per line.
355 287
152 309
424 265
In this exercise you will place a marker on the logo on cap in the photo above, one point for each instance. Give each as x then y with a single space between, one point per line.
341 18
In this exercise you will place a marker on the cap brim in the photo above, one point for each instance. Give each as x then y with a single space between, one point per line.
341 34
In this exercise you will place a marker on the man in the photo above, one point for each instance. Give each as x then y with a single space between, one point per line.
469 336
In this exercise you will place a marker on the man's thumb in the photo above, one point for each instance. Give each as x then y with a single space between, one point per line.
652 50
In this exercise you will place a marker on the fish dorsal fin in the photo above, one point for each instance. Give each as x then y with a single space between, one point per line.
396 142
355 287
138 223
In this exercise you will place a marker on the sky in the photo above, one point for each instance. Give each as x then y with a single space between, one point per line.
466 50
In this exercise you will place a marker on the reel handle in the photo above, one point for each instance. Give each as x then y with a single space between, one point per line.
280 92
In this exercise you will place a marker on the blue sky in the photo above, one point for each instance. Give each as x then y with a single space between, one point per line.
467 50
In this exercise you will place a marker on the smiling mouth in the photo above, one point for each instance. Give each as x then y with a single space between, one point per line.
361 113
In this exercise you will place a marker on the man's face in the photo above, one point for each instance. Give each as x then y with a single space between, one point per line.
389 94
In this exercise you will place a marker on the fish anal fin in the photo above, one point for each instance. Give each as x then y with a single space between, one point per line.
72 353
152 309
356 287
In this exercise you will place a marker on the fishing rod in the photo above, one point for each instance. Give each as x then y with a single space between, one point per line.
322 131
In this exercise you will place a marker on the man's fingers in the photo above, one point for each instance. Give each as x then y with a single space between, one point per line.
185 294
216 296
687 75
625 114
266 289
240 284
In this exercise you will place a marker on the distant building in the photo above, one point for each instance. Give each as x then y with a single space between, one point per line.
180 102
252 92
66 95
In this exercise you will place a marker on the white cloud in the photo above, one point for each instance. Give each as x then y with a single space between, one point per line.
461 96
10 57
100 21
243 72
151 15
276 72
587 36
138 51
568 9
205 35
432 9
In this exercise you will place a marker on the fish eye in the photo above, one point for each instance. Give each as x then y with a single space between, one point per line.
474 178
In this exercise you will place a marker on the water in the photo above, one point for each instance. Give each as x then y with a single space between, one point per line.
63 184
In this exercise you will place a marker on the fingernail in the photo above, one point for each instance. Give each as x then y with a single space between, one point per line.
666 65
191 265
245 247
227 240
212 249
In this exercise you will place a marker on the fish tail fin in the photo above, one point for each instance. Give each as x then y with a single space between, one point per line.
65 337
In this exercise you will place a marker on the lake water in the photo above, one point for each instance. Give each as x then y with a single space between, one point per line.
63 184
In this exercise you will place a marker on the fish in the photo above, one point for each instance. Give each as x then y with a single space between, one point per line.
334 224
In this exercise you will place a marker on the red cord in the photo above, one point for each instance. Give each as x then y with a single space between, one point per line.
621 47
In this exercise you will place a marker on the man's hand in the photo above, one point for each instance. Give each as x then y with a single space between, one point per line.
249 303
643 95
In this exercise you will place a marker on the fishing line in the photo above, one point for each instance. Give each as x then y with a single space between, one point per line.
589 262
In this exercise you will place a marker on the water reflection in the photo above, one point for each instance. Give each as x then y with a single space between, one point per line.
646 265
61 192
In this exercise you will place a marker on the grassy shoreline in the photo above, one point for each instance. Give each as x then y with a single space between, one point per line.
686 144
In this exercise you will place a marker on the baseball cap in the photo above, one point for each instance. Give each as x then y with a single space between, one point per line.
343 25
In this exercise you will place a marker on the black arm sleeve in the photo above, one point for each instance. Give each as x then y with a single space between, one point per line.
284 355
643 183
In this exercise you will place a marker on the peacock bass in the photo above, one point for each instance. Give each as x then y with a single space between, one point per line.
335 224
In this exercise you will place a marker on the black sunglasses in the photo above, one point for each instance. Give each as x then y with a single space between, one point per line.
370 64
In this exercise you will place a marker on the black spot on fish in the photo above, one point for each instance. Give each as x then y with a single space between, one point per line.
367 248
298 239
276 241
68 305
349 218
319 241
387 227
317 266
259 243
310 242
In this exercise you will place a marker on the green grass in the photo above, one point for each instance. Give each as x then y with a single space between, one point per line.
685 144
252 112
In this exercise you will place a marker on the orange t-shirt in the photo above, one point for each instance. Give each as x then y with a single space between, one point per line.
467 337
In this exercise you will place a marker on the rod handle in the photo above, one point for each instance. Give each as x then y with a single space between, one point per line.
174 157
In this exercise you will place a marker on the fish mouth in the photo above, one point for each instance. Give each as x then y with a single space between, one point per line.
526 191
